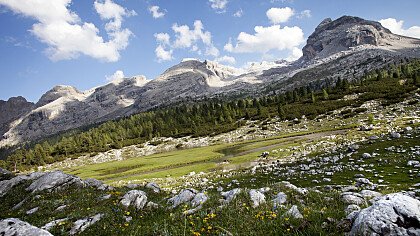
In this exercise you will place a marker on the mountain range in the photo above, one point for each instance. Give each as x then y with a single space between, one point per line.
341 48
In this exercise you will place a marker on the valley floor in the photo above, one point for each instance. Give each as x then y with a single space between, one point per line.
315 180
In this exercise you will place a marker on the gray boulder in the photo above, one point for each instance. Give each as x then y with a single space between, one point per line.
393 214
32 211
199 199
5 174
16 227
366 156
352 198
351 208
7 185
370 194
184 196
53 223
294 213
395 135
230 195
280 199
137 198
153 186
94 183
257 197
55 180
82 224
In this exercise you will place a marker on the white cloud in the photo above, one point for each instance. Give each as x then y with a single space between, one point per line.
155 12
67 36
239 13
219 5
163 54
396 27
266 39
163 38
185 38
226 60
118 75
280 15
296 53
304 14
212 51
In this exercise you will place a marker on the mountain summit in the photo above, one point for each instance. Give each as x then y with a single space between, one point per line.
344 48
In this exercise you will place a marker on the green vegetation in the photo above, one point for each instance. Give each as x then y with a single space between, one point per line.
213 116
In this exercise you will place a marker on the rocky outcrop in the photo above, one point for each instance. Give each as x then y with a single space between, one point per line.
392 214
16 227
7 185
136 198
331 37
82 224
54 181
11 110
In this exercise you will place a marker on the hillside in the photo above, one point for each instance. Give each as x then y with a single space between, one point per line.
343 48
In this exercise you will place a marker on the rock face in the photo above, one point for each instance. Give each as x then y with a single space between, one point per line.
346 46
54 181
11 110
16 227
393 214
331 37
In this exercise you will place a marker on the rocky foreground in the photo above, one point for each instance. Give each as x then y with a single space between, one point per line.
366 212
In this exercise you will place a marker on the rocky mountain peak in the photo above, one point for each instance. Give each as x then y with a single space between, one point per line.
56 93
342 34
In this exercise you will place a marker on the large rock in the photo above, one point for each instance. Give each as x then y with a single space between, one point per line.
294 213
257 197
393 214
7 185
230 195
54 181
353 198
5 174
279 200
199 199
82 224
184 196
137 198
16 227
153 186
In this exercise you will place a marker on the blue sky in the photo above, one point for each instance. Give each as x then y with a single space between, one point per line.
85 42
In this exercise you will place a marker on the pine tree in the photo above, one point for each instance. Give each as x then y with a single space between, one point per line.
325 94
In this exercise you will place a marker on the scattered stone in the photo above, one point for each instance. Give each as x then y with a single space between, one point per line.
370 194
350 208
294 212
413 163
16 227
257 197
54 181
366 156
133 186
152 205
199 199
53 223
184 196
137 198
230 195
395 135
32 211
302 191
280 199
105 197
393 214
82 224
362 182
60 208
353 148
353 198
153 186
